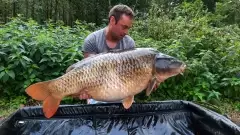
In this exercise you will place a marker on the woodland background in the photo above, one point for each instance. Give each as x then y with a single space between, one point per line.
40 39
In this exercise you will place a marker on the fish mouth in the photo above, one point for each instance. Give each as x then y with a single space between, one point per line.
162 76
182 69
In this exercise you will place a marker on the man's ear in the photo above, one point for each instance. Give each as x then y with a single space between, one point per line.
112 20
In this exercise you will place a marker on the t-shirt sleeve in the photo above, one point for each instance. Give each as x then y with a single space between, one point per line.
89 44
130 43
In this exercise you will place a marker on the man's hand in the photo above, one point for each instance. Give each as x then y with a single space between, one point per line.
156 86
84 96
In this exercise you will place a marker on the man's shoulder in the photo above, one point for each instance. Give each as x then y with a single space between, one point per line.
93 41
95 36
128 40
97 32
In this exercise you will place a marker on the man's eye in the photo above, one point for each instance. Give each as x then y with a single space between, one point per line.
124 27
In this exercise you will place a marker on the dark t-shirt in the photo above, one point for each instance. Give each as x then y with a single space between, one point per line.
96 43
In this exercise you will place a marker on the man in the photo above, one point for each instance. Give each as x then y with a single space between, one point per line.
114 36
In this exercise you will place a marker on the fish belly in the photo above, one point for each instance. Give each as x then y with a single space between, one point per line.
116 87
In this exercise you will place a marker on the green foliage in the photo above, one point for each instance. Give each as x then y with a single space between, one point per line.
210 49
238 107
205 41
11 104
31 53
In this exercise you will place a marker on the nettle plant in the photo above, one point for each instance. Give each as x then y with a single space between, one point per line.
211 51
30 52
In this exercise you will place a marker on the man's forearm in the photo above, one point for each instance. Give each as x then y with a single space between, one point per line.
88 54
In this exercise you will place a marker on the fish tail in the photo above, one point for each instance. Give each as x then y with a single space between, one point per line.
41 91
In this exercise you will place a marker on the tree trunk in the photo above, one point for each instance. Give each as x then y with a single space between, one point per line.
14 9
26 12
109 4
33 10
96 12
51 9
56 13
63 13
5 13
47 10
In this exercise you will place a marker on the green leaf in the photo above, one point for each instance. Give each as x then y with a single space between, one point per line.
11 74
32 76
23 63
41 50
43 60
2 74
3 53
13 56
2 68
5 78
27 59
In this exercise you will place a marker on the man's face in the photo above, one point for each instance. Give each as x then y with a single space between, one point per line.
120 29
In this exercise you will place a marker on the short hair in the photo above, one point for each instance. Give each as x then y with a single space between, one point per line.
118 10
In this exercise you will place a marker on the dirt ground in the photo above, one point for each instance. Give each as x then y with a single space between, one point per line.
1 118
235 117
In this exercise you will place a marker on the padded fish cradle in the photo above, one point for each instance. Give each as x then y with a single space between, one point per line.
174 117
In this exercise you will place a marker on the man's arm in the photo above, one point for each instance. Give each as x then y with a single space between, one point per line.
89 46
88 54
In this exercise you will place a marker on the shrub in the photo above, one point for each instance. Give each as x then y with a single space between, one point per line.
211 52
30 52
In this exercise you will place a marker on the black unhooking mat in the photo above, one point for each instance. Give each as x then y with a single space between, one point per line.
154 118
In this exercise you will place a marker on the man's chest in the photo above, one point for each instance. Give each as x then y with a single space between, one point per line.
108 46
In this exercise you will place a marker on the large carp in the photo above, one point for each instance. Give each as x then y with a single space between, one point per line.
111 76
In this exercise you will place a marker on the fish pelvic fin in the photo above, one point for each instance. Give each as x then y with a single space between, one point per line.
42 92
127 102
50 106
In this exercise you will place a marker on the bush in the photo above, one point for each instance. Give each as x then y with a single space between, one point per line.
31 53
211 52
209 46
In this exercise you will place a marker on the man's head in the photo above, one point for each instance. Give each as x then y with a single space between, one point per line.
120 21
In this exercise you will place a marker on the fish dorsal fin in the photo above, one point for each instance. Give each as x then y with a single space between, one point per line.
71 67
121 50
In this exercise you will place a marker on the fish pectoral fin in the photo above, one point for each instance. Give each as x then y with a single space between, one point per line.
151 85
127 102
50 106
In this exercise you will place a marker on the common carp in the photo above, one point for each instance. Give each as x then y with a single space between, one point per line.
111 76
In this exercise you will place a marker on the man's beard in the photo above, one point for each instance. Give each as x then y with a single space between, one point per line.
115 36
